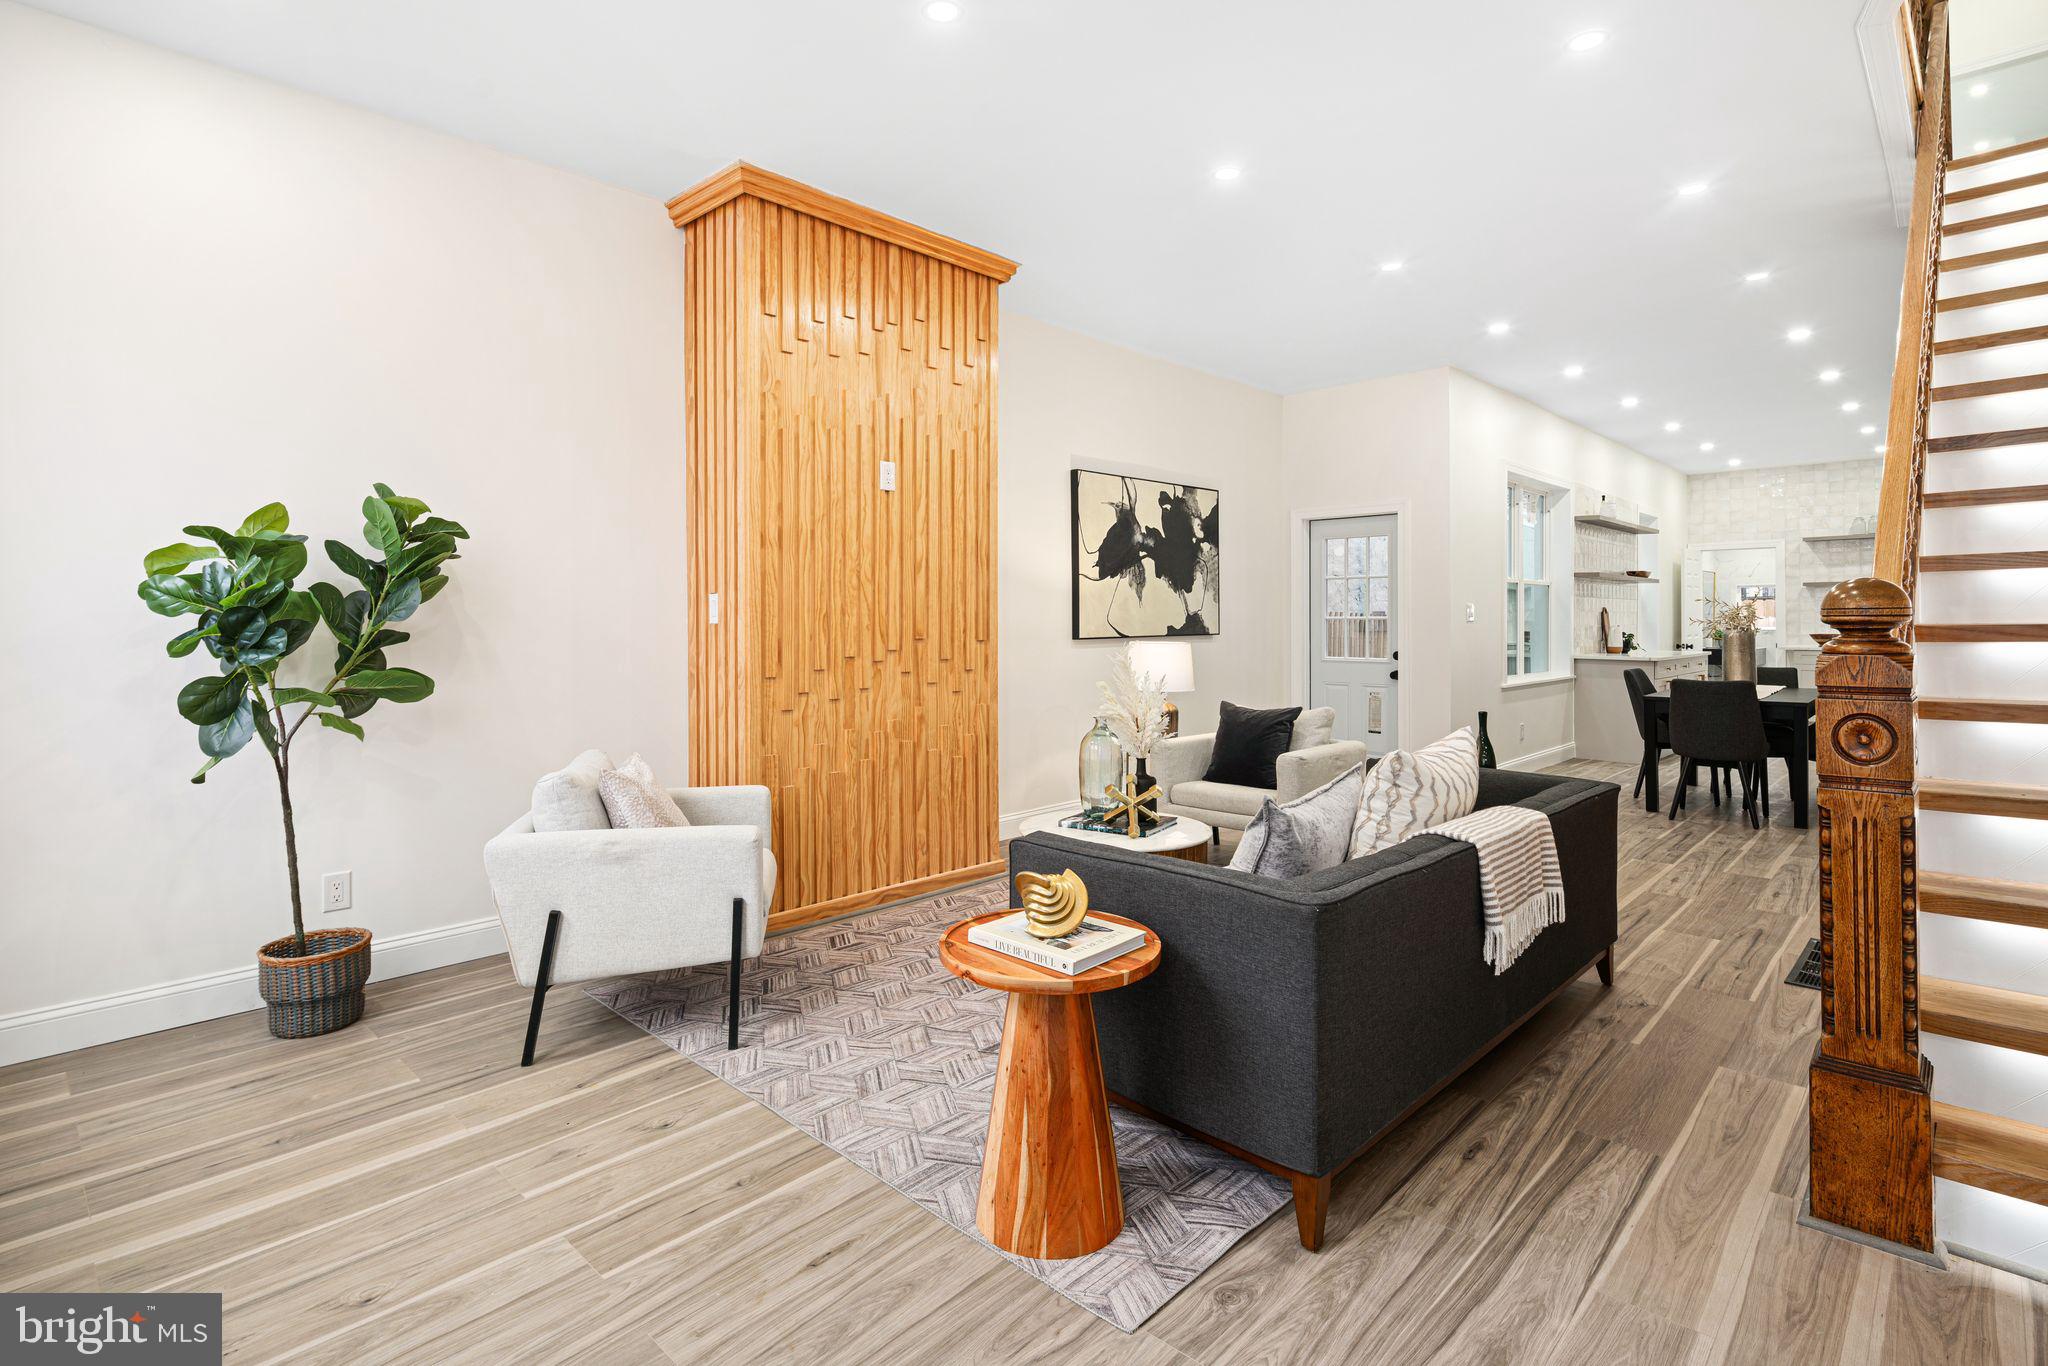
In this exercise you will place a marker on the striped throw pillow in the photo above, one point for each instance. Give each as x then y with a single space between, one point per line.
1408 792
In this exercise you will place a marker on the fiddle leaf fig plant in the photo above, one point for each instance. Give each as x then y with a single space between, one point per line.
241 585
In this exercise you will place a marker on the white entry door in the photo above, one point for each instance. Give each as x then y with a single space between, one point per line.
1353 629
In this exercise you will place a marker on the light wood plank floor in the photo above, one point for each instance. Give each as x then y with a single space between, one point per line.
1616 1183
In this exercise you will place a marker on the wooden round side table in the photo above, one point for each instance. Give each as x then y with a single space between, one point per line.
1048 1175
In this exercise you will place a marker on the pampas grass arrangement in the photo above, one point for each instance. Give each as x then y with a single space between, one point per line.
1133 706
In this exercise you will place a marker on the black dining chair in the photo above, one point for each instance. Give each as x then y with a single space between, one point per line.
1787 742
1652 729
1722 726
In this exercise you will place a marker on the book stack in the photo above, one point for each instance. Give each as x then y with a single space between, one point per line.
1110 825
1090 944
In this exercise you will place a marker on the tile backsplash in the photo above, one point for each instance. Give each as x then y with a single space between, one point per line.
1787 504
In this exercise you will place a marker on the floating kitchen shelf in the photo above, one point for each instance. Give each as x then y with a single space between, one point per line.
1613 576
1842 536
1614 524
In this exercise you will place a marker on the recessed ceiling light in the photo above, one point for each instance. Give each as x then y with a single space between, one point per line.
1867 429
1497 329
1980 90
942 11
1830 375
1706 446
1756 277
1227 172
1798 334
1391 266
1629 400
1574 371
1851 406
1733 463
1587 41
1673 426
1693 188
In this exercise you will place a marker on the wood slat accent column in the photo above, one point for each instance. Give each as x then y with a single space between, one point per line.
852 665
1872 1129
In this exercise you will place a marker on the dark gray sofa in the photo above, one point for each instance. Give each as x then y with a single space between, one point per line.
1294 1022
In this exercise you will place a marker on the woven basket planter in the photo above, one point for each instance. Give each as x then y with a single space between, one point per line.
319 993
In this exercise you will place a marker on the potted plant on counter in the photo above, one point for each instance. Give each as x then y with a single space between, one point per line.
252 617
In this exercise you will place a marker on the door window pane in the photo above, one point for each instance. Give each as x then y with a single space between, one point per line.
1376 555
1333 556
1356 563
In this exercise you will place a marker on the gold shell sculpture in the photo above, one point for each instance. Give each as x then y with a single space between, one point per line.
1053 906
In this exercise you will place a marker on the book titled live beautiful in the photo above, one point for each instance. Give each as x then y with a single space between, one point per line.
1089 944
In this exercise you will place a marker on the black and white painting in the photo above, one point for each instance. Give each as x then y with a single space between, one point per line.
1145 558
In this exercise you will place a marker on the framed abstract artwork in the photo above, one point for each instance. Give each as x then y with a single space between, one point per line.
1146 558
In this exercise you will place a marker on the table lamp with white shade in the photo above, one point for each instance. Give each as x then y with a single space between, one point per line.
1172 662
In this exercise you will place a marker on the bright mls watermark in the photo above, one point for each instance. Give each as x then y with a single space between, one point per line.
168 1330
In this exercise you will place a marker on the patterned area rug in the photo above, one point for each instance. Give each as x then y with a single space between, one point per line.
853 1032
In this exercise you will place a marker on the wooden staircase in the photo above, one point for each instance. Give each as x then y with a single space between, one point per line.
1964 484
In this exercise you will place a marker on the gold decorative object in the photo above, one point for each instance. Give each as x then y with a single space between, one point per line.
1129 803
1053 906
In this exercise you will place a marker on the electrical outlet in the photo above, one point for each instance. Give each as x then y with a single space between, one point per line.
713 608
1524 731
337 893
1471 611
888 476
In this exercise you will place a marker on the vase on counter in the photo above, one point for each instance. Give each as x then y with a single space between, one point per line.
1738 656
1486 759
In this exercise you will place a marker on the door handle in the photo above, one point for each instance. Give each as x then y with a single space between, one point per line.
1397 656
1394 674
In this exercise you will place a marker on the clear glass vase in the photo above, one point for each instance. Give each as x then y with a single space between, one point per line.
1102 766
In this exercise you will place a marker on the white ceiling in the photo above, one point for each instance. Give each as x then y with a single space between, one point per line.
1516 180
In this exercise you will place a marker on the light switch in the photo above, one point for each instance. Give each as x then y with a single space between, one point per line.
1471 612
888 476
714 609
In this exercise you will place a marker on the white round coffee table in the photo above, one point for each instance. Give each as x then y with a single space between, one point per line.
1186 838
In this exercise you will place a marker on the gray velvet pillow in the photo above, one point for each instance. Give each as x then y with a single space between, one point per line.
1309 834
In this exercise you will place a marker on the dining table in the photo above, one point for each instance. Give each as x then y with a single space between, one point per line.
1787 712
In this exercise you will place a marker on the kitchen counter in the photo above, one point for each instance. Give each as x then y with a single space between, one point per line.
1639 657
1604 720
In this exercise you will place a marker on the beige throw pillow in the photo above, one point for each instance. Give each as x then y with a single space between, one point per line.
1406 793
567 799
634 801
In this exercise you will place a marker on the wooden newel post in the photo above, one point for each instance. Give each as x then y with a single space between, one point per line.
1870 1098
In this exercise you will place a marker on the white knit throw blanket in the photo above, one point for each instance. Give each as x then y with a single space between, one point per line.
1520 885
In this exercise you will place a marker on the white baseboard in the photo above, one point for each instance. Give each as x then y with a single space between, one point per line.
1012 822
124 1015
1544 758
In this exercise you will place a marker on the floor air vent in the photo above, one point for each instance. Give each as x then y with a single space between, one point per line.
1806 972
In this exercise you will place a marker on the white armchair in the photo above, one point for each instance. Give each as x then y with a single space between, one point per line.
1312 759
584 904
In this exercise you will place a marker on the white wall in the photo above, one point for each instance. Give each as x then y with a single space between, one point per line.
1440 444
1491 433
1373 446
1071 402
215 291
